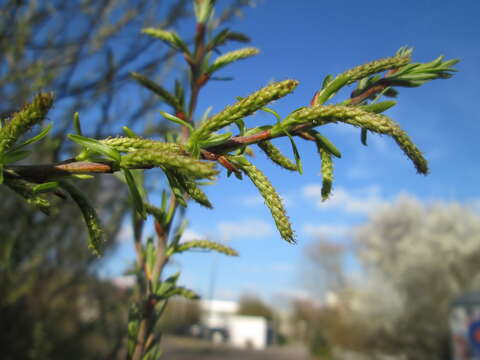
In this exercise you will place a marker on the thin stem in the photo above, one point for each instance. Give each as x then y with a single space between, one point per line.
198 80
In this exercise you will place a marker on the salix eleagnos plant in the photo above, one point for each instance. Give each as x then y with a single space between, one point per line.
195 155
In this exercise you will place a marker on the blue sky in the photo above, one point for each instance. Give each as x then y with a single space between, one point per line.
307 40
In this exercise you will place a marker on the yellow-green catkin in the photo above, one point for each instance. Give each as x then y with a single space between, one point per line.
95 231
186 293
232 56
245 107
208 245
320 115
194 191
327 173
272 199
128 144
276 156
25 190
184 164
362 71
24 120
165 35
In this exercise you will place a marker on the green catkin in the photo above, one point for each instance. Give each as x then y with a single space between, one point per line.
25 190
276 156
244 107
184 164
128 144
181 291
164 35
272 199
321 115
192 189
207 245
24 120
327 172
95 231
197 194
232 56
362 71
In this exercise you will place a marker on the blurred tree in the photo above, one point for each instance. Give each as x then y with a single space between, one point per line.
421 257
179 316
254 306
417 258
83 51
325 259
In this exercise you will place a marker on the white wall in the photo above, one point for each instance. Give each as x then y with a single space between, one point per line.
248 331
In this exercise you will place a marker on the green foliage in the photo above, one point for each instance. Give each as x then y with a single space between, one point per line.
89 215
269 194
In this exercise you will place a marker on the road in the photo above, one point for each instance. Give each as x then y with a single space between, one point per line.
191 349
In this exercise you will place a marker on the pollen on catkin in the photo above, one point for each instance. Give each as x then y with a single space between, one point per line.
208 245
327 173
23 120
128 144
276 156
272 200
186 165
362 71
245 107
321 115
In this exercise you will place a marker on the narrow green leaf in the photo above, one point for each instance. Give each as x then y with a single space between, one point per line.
96 146
76 123
36 138
156 212
176 187
14 156
82 176
363 136
179 94
129 132
92 221
157 89
24 189
176 120
273 112
215 139
327 80
379 107
325 143
241 126
184 292
298 161
45 187
135 194
150 255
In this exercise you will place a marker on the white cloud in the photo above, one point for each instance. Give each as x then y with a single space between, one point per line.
249 228
361 201
189 235
325 230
